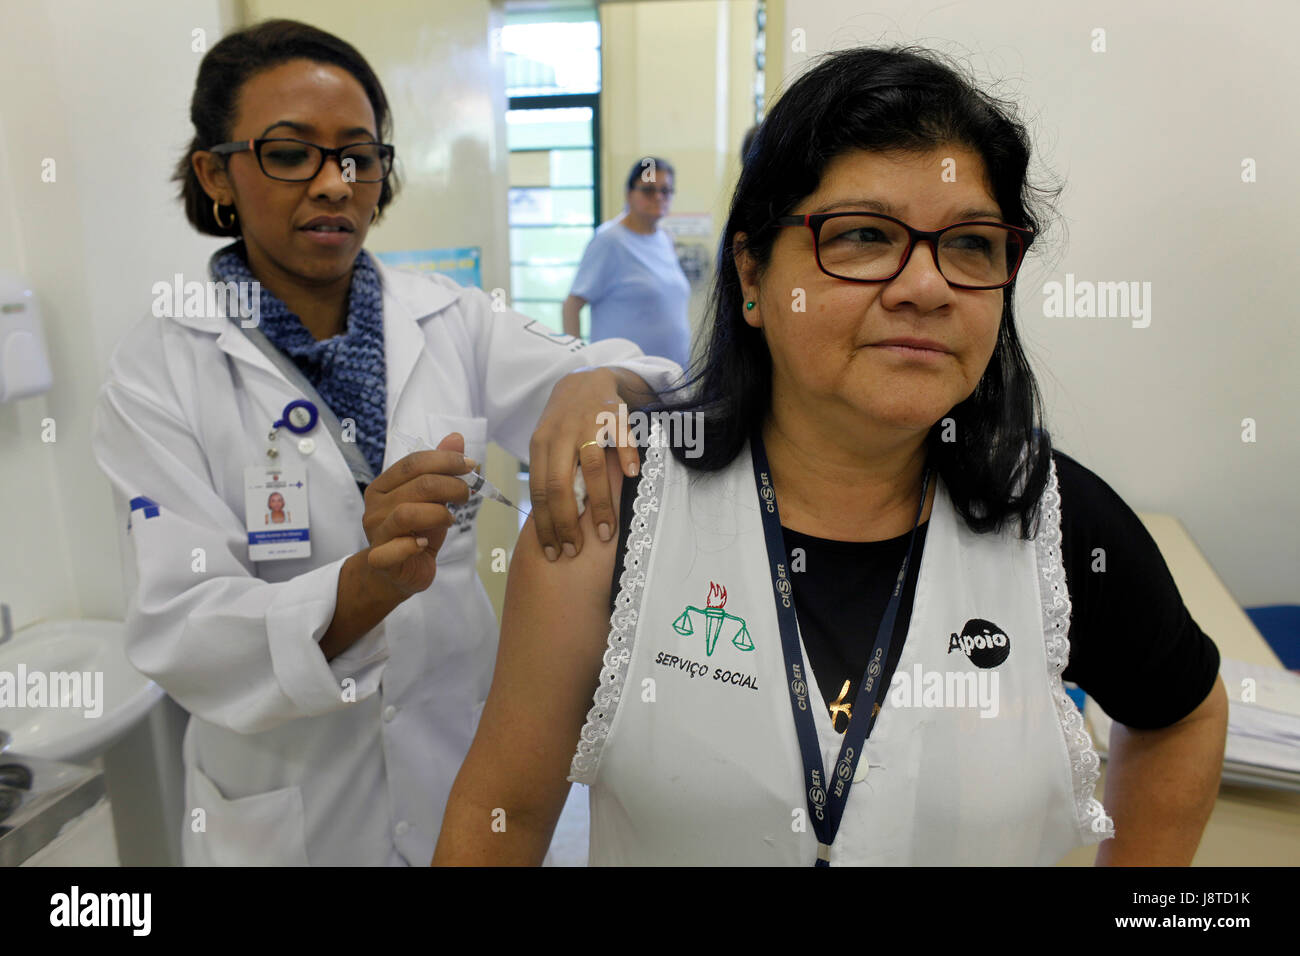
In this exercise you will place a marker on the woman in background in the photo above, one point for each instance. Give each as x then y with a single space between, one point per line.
630 273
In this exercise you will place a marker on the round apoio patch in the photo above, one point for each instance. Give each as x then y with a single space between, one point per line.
983 642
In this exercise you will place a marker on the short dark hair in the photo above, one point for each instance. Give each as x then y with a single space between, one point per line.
653 164
224 71
900 98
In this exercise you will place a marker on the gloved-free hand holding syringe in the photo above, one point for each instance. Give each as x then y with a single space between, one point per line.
478 485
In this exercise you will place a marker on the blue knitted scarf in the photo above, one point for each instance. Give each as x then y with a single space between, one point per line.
348 370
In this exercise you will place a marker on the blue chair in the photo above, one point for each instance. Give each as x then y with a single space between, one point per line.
1076 694
1280 625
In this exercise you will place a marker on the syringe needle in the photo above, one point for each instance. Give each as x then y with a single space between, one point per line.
480 485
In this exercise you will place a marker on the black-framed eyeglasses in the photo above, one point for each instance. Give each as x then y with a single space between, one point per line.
648 190
871 247
298 161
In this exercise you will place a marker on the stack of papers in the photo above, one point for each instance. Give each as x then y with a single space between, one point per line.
1263 747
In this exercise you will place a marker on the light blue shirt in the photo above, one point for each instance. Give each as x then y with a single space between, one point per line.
637 290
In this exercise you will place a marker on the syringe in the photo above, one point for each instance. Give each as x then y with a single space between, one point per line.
478 485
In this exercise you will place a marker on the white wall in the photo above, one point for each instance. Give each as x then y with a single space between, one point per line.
103 92
1149 137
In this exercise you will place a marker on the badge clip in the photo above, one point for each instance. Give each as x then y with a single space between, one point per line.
299 416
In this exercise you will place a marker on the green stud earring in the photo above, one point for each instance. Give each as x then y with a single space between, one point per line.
749 306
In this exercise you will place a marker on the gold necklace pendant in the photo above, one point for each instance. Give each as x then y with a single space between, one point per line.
841 706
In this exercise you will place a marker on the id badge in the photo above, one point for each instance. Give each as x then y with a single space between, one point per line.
275 507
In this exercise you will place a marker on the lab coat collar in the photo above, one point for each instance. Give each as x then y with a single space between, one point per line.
409 299
413 294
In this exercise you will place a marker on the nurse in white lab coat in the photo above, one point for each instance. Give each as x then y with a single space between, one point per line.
333 697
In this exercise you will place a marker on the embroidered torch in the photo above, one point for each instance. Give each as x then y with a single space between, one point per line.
714 618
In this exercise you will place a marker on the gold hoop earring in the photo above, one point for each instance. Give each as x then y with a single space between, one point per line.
216 214
374 215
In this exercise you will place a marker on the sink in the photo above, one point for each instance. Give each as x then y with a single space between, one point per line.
79 717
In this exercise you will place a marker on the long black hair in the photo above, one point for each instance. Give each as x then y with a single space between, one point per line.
222 74
996 464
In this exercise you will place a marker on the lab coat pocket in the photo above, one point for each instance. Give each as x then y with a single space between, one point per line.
459 543
439 426
263 829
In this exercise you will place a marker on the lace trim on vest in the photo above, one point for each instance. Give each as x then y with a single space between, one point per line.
627 612
1085 766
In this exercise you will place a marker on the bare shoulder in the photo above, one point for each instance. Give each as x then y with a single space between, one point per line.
554 629
566 587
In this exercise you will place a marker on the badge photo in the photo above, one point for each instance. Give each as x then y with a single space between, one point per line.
275 509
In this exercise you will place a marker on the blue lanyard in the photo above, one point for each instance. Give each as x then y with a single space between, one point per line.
826 800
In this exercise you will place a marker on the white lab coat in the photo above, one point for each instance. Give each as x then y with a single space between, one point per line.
285 766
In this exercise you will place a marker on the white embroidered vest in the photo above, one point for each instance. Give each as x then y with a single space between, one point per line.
978 756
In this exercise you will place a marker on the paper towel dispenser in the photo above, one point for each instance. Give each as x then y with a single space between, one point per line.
24 360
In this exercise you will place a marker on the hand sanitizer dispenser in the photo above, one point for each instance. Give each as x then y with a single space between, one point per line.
24 361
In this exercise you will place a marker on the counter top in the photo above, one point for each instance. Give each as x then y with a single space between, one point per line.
1249 826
